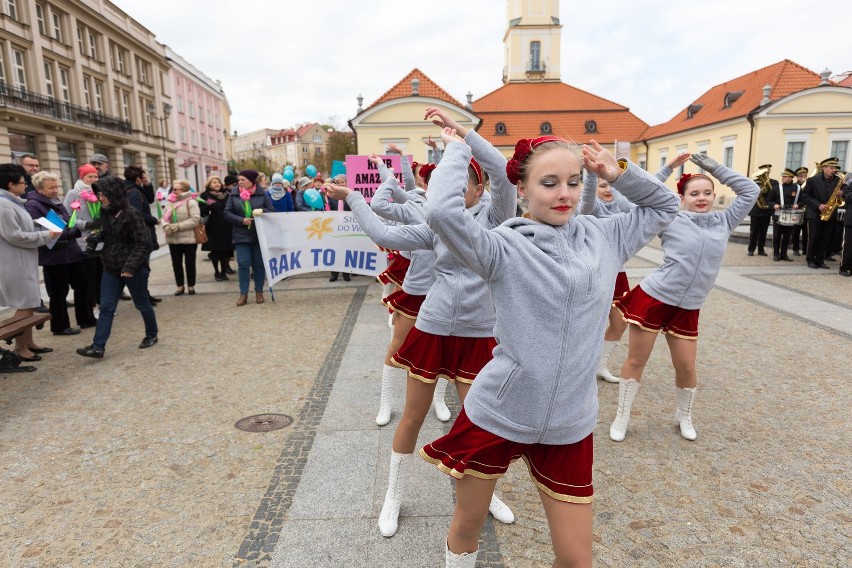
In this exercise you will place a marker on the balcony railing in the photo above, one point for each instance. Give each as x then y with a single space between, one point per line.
35 103
535 67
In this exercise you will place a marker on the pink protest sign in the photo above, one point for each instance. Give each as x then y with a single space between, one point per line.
363 177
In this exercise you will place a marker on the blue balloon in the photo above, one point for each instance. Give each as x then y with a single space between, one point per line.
311 171
313 199
289 175
288 168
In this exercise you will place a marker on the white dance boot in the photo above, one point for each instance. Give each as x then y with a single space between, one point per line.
441 410
627 389
603 370
683 414
389 517
383 417
501 511
465 560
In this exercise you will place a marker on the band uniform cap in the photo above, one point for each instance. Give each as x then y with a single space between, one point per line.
833 161
765 167
788 172
802 170
98 159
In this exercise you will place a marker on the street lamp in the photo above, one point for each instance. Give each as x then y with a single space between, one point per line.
167 111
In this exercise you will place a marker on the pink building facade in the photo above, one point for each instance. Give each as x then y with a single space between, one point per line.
198 127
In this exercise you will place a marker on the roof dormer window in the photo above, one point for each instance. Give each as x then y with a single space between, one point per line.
692 109
731 97
500 129
546 128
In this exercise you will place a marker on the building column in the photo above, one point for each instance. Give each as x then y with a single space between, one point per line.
5 146
47 152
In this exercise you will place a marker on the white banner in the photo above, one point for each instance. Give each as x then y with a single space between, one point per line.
296 243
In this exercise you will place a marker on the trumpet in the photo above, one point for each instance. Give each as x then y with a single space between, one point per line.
835 201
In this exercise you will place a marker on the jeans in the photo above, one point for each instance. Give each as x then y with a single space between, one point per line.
249 260
178 253
111 288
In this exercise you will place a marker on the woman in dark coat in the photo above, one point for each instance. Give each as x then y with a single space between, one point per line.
62 262
240 209
219 230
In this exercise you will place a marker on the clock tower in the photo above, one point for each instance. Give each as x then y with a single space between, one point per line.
532 41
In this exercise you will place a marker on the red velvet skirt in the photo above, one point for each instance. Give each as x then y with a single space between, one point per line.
396 271
563 472
429 357
405 304
622 286
650 314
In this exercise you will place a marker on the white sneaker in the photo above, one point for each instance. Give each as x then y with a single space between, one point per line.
500 511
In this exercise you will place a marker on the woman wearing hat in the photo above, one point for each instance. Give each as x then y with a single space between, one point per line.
246 201
783 198
279 194
303 184
80 199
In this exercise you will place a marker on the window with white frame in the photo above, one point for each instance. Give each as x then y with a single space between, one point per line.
93 46
99 96
81 43
193 137
19 70
12 9
65 90
42 29
840 150
183 135
180 103
664 158
57 26
317 139
795 155
87 92
125 105
119 59
2 68
48 77
728 156
678 151
191 109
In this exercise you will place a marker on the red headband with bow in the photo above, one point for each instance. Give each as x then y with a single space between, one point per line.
426 171
477 169
523 149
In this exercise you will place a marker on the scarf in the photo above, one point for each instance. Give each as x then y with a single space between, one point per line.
277 193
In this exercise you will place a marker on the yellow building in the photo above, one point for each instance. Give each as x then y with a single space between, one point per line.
783 114
397 118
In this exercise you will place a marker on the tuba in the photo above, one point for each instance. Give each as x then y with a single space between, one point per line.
834 201
761 176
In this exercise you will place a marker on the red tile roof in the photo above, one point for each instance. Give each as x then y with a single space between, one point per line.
523 107
428 88
847 82
785 78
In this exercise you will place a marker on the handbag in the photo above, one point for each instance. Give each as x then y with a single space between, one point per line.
200 234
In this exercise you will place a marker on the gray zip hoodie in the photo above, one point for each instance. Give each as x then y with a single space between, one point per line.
459 303
694 245
421 271
547 283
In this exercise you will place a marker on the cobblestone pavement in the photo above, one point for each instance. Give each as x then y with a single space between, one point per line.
135 461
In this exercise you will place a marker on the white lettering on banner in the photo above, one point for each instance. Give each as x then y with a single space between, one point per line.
297 243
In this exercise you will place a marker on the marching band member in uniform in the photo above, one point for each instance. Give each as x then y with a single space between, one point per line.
800 230
783 198
760 215
846 257
815 194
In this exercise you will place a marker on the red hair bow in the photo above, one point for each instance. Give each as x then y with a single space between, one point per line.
523 149
478 169
426 171
681 183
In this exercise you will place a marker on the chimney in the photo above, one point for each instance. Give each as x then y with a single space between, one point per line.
360 100
469 105
767 89
824 76
415 87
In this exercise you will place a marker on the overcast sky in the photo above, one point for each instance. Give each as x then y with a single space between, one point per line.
286 62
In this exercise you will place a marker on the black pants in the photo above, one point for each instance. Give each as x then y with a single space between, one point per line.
780 239
819 234
93 268
63 276
836 243
220 259
757 234
803 230
178 254
846 259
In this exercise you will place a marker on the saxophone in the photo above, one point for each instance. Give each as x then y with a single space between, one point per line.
834 201
762 179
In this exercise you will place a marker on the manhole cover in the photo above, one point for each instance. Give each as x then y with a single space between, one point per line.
264 422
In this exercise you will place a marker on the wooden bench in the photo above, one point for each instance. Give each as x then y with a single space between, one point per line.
11 328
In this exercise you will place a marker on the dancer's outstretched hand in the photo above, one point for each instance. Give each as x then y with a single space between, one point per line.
599 160
338 191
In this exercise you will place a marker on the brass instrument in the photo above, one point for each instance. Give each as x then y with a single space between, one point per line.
834 201
761 176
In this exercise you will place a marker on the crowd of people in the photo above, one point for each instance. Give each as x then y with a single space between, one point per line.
520 312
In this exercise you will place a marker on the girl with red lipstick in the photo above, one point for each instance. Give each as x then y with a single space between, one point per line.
668 300
536 399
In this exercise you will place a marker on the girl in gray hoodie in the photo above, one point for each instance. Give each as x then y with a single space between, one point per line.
550 279
668 300
453 336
